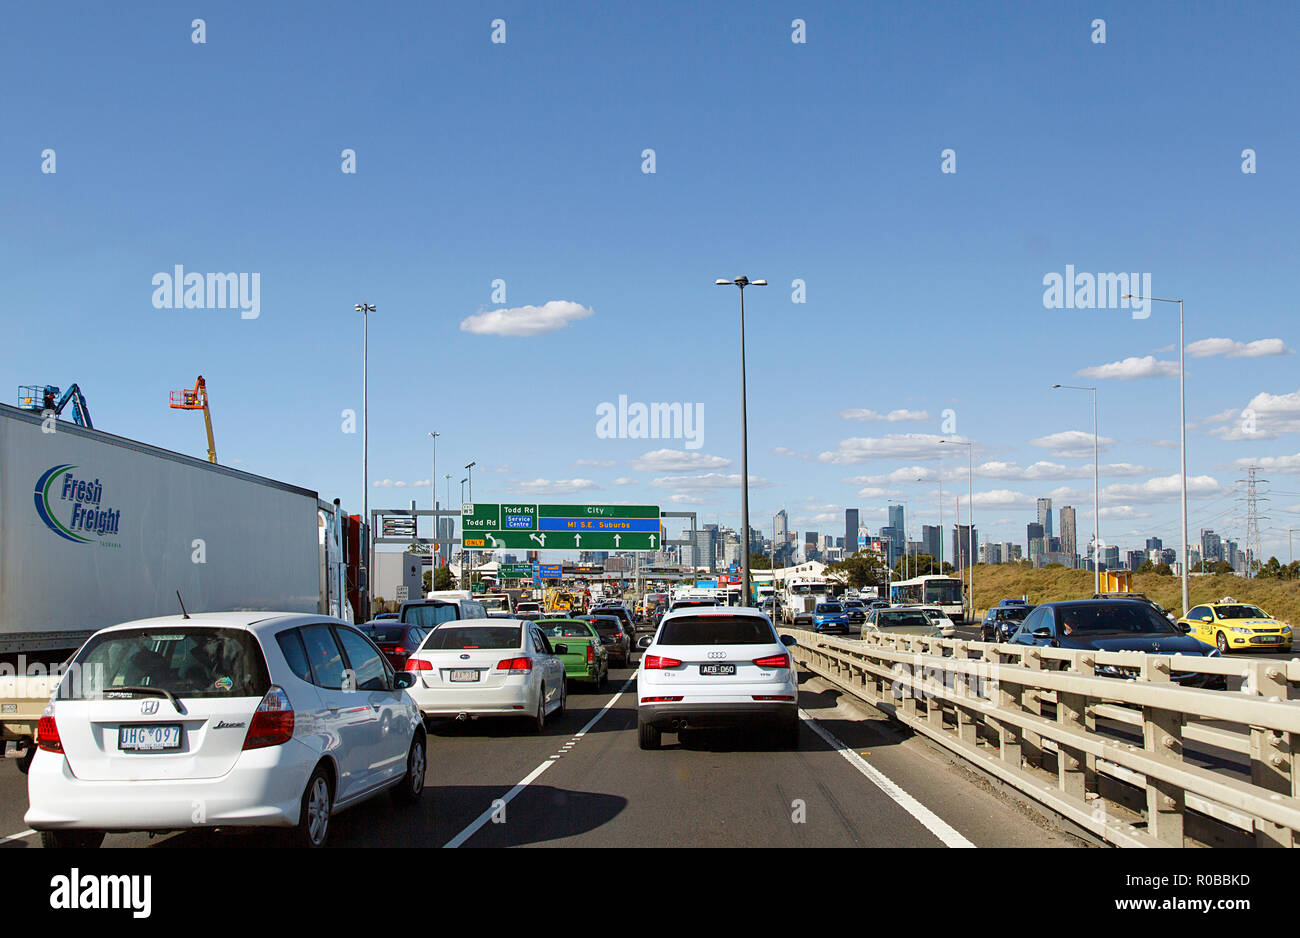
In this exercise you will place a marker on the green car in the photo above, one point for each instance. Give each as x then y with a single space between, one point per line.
578 645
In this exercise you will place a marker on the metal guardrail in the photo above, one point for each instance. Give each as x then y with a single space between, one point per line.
1138 761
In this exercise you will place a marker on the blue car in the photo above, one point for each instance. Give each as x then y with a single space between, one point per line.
830 617
1115 625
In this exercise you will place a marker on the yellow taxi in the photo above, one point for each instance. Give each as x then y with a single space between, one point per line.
1232 626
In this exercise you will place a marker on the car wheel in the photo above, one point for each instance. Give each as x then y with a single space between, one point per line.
314 813
647 735
77 840
1222 643
538 723
408 791
25 762
564 702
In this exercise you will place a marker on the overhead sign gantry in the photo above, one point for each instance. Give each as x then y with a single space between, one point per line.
490 526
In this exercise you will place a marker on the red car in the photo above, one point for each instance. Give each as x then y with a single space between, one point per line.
397 640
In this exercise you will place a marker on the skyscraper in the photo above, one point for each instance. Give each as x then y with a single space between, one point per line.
1045 516
782 522
1069 539
1035 545
931 538
963 550
850 531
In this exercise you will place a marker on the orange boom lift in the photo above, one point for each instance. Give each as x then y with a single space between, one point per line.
197 399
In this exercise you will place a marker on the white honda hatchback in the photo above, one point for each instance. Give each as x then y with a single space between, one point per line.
248 719
717 666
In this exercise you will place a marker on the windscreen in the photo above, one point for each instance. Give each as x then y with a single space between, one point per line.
717 630
186 660
474 636
943 591
565 629
429 615
1241 612
898 620
386 634
1123 617
829 608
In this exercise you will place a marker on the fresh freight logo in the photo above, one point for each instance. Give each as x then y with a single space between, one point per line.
87 516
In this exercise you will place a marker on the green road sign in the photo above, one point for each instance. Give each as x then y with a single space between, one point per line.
490 526
515 571
561 540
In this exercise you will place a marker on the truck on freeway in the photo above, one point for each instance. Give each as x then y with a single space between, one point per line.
96 529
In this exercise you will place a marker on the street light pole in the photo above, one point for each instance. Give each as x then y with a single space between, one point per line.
1096 488
469 477
1182 425
970 516
365 309
464 551
433 497
743 282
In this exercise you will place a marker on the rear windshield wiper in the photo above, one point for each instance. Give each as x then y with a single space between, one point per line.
141 689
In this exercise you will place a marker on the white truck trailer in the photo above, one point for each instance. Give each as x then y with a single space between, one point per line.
96 529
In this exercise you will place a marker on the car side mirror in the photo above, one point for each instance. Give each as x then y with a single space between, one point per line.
789 641
561 649
403 679
1184 626
644 641
1043 632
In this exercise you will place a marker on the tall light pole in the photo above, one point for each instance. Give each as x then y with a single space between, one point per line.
464 552
743 282
970 516
1290 546
469 469
433 497
1182 425
451 525
365 309
1096 488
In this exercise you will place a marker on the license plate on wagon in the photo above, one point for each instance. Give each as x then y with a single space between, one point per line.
717 669
464 675
149 738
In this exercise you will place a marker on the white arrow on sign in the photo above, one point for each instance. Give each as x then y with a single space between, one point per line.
577 540
616 539
539 538
652 540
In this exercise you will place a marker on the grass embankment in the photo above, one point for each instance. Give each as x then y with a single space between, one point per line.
1279 598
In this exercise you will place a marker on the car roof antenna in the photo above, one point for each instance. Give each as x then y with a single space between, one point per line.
184 614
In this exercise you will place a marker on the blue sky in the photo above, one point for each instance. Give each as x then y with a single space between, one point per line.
817 161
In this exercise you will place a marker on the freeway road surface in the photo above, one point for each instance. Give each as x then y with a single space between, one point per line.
855 781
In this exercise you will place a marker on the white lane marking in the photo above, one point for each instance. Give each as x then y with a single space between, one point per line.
16 837
931 821
531 777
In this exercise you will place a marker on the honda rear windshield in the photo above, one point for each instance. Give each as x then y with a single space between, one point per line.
717 630
429 615
186 661
480 636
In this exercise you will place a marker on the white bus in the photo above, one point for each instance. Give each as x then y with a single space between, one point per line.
933 590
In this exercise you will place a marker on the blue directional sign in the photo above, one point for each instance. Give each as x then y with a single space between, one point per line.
550 571
600 525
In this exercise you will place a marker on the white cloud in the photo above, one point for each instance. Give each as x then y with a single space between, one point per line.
786 451
394 484
894 416
1070 444
600 463
624 480
676 460
556 487
1131 368
1265 417
1118 511
1161 487
906 474
890 446
525 320
872 492
1284 465
825 517
707 481
1204 348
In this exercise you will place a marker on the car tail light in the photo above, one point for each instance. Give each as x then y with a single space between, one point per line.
773 661
655 662
399 650
47 735
272 721
772 697
660 699
591 654
418 664
515 665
